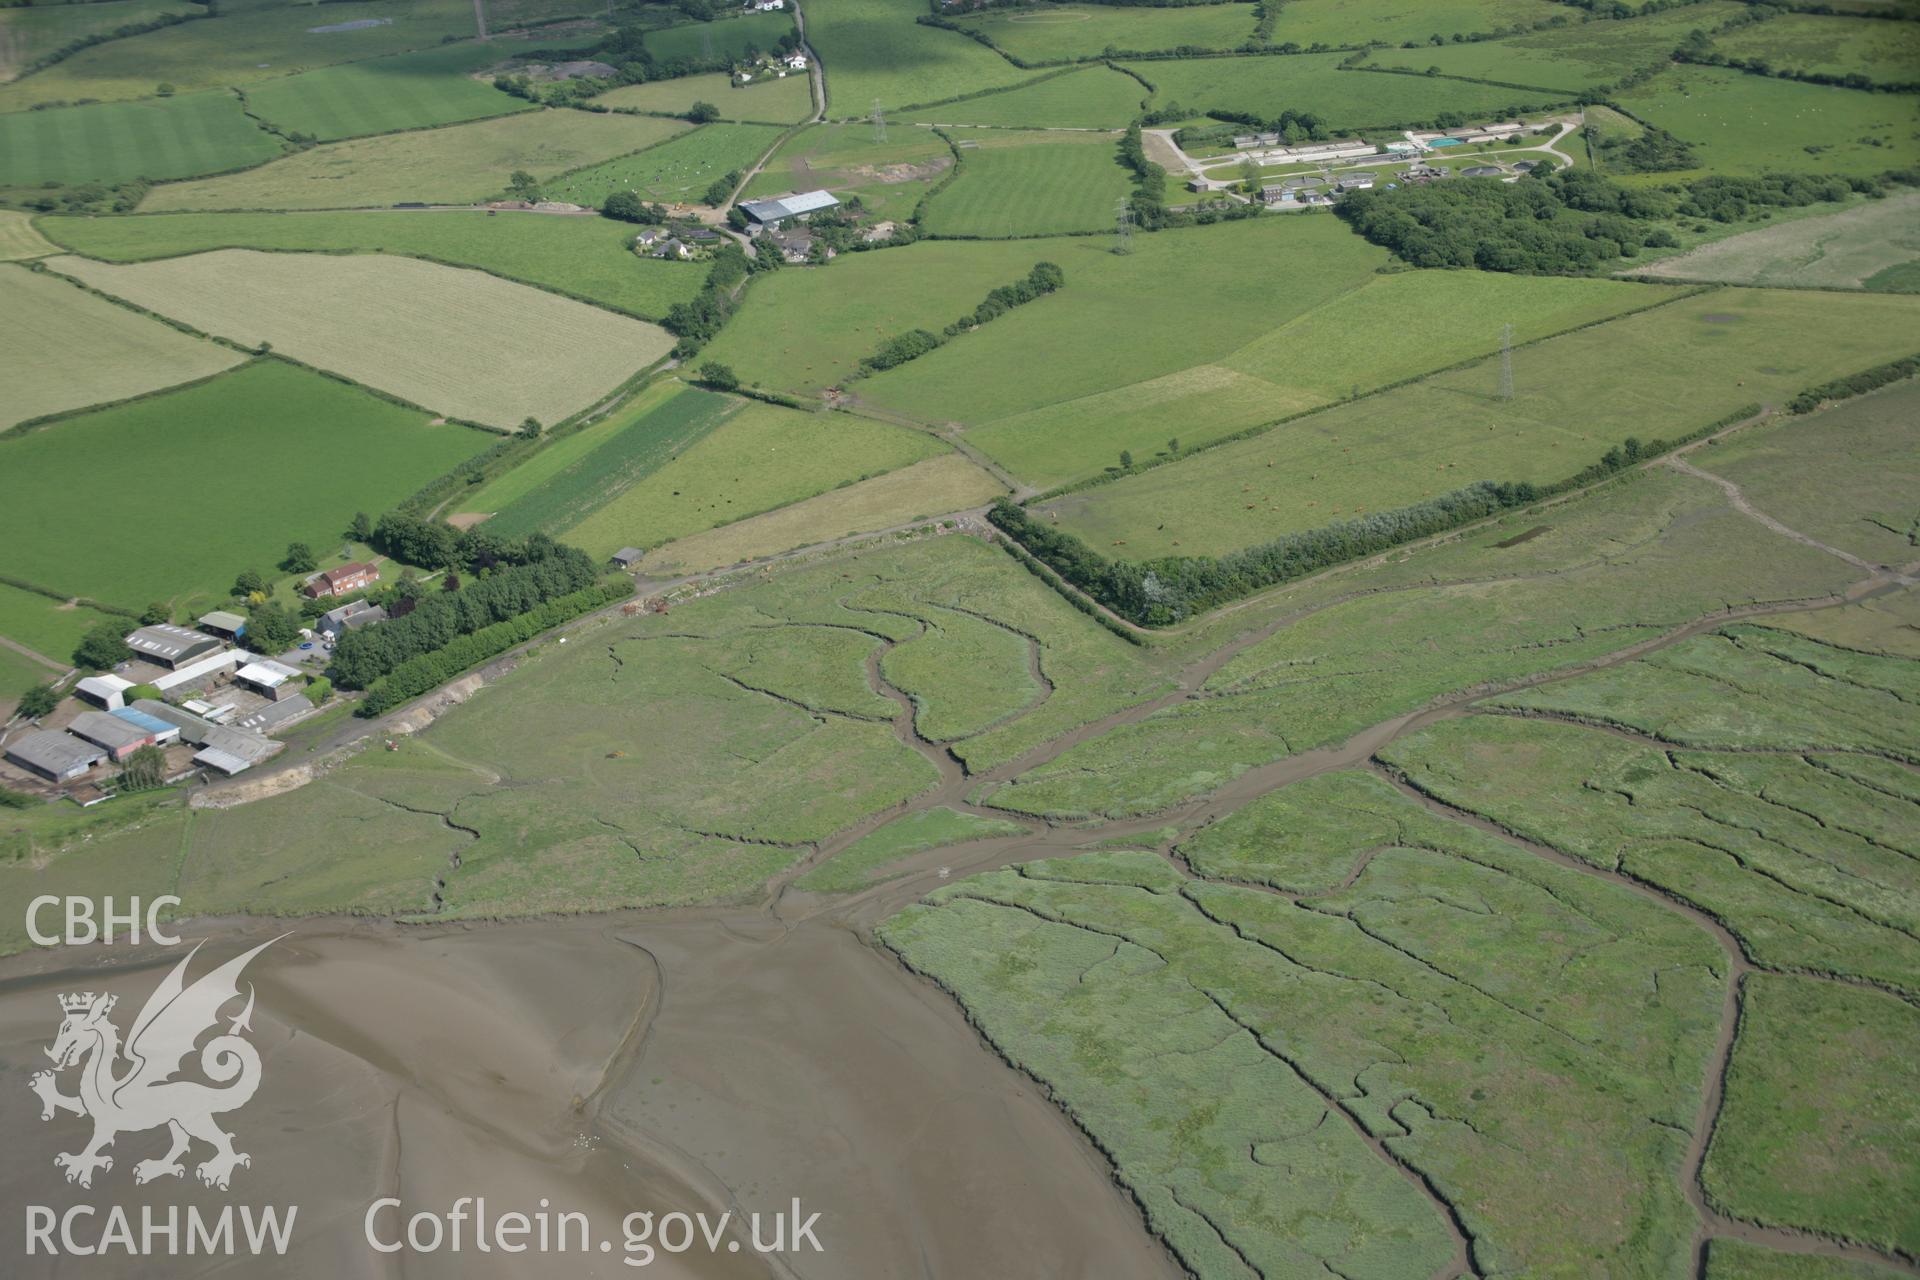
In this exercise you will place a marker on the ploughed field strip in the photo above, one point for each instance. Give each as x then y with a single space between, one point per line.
427 333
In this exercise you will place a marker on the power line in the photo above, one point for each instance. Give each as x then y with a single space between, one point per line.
1506 362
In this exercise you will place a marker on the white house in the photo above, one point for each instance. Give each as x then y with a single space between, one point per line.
796 61
761 6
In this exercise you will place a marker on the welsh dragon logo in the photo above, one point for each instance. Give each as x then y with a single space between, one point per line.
131 1087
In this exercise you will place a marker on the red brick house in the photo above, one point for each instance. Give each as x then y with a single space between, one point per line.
346 579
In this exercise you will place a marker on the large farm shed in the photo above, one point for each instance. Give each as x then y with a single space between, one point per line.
53 755
768 214
171 646
117 737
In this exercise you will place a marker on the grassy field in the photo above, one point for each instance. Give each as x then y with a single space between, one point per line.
1820 1099
143 456
30 34
1841 250
62 348
1214 289
1747 124
1345 23
664 423
865 861
1391 327
889 177
1569 407
1484 1014
50 628
1027 184
764 457
118 141
874 49
914 492
786 100
246 46
1051 32
587 257
1828 45
430 334
1512 600
678 171
1848 477
1568 58
727 39
381 95
459 164
18 239
1090 98
1314 83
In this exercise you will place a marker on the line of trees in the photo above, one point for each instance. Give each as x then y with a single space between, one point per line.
361 657
914 343
697 321
428 670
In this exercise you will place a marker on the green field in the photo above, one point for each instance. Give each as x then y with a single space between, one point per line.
1822 1090
1090 98
1351 23
1845 250
678 171
114 142
763 457
65 349
663 425
874 49
727 39
783 100
460 164
1391 327
1343 100
1028 184
144 456
429 334
382 95
1830 46
1729 1259
1569 407
249 44
49 627
889 177
589 258
1747 124
1053 32
1567 58
28 35
914 494
1214 289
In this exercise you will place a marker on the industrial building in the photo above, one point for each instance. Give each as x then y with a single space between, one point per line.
227 749
55 756
171 646
768 214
